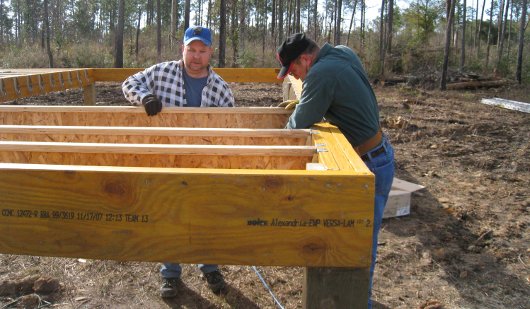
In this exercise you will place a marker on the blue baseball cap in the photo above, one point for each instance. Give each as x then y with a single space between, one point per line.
200 33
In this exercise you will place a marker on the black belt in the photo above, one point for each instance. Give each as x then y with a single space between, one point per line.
373 154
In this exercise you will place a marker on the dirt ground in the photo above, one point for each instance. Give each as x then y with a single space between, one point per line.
464 245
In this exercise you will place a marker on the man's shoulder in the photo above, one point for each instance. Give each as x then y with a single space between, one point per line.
167 65
216 77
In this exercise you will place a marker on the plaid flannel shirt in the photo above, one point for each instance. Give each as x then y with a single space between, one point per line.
165 81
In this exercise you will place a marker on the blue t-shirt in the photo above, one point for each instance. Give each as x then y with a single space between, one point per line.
193 88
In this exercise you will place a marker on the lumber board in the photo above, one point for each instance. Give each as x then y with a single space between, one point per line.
155 135
253 217
237 75
155 160
508 104
21 83
181 149
218 117
249 75
295 85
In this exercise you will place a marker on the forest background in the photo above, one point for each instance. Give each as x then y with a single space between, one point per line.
420 38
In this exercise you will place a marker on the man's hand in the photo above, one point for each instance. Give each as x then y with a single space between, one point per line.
289 104
152 105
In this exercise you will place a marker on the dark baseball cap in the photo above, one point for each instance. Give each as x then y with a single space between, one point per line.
199 33
291 48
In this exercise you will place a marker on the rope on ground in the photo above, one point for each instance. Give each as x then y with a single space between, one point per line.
267 287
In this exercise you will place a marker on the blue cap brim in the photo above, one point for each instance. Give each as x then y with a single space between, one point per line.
206 42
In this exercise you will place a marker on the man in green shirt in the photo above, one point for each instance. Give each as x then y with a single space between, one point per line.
336 88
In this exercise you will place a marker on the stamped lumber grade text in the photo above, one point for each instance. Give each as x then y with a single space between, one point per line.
279 222
74 215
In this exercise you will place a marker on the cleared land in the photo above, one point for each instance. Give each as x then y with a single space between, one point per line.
464 245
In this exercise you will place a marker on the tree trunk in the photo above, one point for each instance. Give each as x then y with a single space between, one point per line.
389 34
273 21
499 34
118 60
499 29
1 23
463 48
209 19
500 46
448 31
264 32
242 24
338 21
363 24
509 39
351 22
389 30
150 12
136 45
509 47
280 22
297 17
476 26
480 27
173 25
522 28
222 33
158 31
489 35
234 40
315 20
289 17
381 39
187 7
47 29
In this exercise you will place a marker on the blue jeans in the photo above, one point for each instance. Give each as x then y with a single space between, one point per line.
173 270
383 168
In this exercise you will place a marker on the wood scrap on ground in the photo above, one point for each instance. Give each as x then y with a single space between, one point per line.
508 104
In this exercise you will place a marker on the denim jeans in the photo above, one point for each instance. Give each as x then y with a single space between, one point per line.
173 270
383 168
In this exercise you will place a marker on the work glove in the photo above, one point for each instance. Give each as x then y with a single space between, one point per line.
289 104
152 105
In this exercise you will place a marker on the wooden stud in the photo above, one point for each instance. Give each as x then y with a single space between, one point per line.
89 94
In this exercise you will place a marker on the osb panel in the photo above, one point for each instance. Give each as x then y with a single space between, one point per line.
135 116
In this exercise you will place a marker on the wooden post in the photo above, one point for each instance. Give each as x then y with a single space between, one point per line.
89 94
327 287
335 288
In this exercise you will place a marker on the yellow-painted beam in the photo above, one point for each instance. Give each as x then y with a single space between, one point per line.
33 83
237 75
21 83
244 217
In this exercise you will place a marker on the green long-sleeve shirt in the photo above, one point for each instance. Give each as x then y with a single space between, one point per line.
337 88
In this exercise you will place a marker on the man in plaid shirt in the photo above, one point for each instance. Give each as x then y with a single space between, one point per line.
189 82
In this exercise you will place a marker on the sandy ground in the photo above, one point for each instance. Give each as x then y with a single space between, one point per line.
464 245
